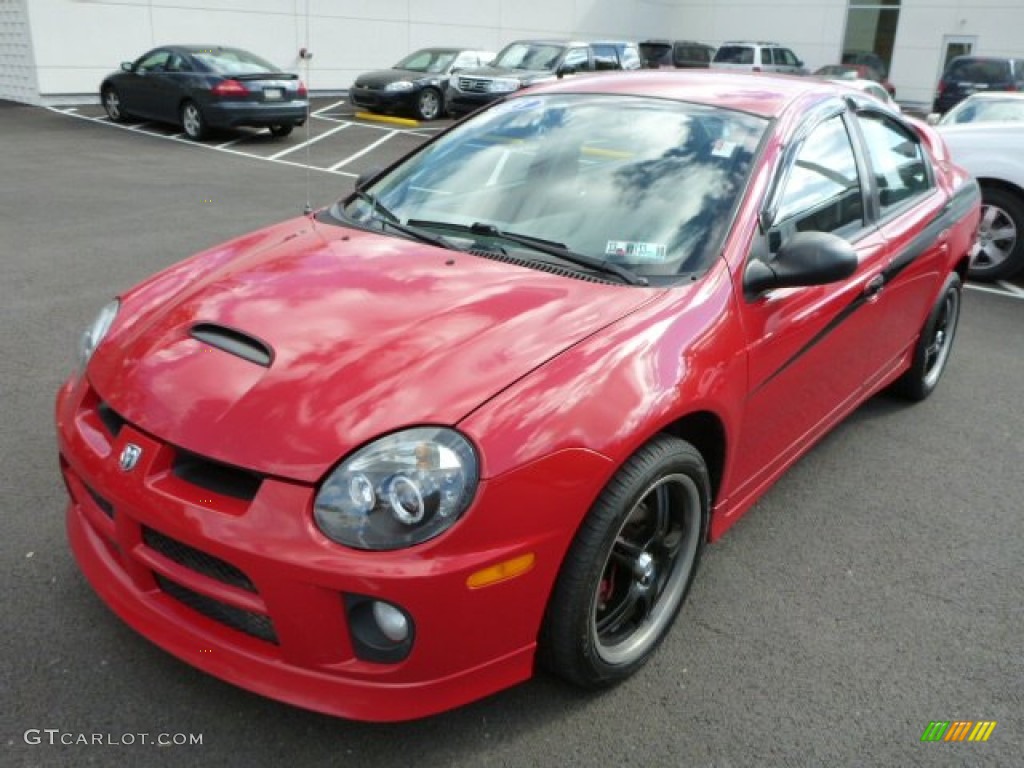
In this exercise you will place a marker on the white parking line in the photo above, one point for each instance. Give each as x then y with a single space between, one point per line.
229 143
1015 290
363 151
329 107
314 140
1007 290
197 145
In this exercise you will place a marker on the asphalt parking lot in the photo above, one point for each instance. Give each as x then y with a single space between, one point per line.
876 588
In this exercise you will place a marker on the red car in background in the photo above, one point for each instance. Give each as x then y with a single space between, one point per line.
485 411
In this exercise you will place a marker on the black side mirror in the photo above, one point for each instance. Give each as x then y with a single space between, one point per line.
806 258
126 66
566 69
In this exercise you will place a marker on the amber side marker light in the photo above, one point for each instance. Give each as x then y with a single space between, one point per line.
504 571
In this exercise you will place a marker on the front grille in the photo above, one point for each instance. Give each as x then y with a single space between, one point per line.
253 624
103 504
196 560
473 85
214 476
110 418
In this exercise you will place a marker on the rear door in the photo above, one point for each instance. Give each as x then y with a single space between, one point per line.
811 349
915 222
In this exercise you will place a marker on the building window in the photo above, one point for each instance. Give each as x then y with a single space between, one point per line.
871 33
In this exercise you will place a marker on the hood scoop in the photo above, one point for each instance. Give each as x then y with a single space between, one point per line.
234 342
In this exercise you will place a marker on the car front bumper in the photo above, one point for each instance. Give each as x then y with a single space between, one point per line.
460 103
252 592
383 101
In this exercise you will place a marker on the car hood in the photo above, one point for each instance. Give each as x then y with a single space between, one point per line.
368 334
383 77
522 75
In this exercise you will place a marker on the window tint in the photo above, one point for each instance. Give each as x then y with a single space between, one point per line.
233 61
897 160
432 61
767 57
979 70
577 58
785 56
153 62
735 54
823 190
178 63
630 58
605 57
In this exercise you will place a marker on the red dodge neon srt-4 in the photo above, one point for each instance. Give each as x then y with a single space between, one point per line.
485 411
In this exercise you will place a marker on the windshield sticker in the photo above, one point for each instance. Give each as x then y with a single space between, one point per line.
637 252
723 148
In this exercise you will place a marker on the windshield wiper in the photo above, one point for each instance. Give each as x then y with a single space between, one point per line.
387 218
558 250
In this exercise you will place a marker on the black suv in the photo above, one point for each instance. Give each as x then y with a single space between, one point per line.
526 62
969 74
684 54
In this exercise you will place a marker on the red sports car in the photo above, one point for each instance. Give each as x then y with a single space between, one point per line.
486 411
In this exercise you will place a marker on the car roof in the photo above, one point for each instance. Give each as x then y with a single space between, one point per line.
758 94
996 96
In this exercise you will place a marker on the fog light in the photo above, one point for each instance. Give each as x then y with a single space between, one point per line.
390 621
380 631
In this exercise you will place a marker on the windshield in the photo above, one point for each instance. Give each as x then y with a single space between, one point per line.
431 61
529 56
647 184
232 61
979 70
986 111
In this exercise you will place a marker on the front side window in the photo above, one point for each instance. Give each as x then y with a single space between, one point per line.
822 192
153 62
897 160
649 184
578 58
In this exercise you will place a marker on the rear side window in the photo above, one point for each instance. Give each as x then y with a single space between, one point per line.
897 160
735 54
630 58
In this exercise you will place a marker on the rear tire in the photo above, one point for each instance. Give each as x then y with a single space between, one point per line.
280 131
934 345
629 567
193 122
999 251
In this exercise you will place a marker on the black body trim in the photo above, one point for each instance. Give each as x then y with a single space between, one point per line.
234 342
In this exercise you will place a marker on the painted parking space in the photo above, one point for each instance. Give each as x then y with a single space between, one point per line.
338 138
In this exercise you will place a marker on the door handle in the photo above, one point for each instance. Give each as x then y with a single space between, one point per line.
874 286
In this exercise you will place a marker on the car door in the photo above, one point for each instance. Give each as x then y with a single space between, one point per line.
169 85
914 220
810 350
149 85
787 62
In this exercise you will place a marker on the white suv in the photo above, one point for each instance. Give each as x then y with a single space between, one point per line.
757 57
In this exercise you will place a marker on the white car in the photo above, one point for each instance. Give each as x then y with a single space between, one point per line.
993 152
989 107
869 87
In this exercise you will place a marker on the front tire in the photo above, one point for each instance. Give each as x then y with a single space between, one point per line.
193 122
429 104
999 251
630 566
934 345
112 104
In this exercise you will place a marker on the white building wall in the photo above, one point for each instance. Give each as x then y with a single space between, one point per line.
77 42
17 66
74 43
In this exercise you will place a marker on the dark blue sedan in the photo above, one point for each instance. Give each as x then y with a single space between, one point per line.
205 87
